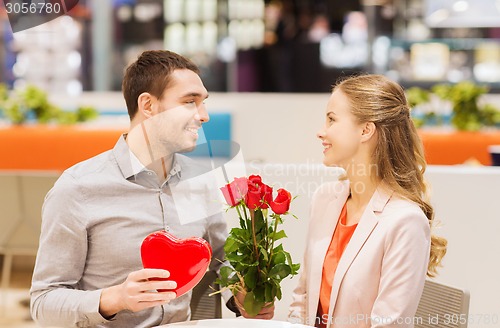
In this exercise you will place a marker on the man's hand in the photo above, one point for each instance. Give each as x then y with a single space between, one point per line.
137 292
267 312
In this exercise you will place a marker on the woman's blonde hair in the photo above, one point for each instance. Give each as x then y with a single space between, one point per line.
398 155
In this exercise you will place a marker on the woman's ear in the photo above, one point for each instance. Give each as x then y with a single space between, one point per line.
144 104
368 132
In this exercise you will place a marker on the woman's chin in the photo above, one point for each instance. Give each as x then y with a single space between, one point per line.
329 162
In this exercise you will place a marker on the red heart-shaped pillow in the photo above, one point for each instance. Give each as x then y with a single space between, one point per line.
187 259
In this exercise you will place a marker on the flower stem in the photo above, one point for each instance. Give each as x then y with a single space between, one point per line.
272 240
254 236
239 214
246 217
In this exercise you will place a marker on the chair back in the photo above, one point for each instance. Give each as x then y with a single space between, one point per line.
10 206
21 199
442 306
204 306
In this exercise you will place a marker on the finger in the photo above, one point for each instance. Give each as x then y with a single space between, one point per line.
148 304
268 309
267 316
146 274
159 284
163 297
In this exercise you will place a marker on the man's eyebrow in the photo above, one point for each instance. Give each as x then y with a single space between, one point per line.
195 94
330 112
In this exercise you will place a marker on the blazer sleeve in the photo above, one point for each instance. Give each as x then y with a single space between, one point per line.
297 311
404 269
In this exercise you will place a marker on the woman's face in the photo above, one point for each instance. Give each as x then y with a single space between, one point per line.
341 135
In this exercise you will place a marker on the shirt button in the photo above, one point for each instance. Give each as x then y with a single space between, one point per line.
150 173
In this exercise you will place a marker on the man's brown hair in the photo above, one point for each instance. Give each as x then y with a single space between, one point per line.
151 72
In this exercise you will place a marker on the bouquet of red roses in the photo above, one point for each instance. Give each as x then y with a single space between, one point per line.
258 265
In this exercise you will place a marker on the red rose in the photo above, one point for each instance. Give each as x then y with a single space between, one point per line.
281 203
259 195
266 194
235 191
255 179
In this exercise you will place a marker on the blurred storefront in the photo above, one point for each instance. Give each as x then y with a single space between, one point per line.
257 45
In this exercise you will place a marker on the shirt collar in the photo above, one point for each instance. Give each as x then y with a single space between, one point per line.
131 166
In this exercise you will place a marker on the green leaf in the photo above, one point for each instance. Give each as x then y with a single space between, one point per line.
259 294
278 290
278 235
239 234
251 278
280 271
278 248
224 274
242 224
288 257
231 245
86 113
269 294
278 258
251 305
259 221
263 252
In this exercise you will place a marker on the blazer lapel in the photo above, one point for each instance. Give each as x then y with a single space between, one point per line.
365 227
324 232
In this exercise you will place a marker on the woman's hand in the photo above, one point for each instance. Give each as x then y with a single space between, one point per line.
267 312
137 292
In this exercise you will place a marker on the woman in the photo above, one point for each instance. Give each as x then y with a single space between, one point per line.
369 243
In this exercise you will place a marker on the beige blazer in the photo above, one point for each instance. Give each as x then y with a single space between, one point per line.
380 277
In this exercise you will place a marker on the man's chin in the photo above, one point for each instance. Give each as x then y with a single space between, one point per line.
187 149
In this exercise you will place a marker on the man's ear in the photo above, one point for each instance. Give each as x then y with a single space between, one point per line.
145 104
368 132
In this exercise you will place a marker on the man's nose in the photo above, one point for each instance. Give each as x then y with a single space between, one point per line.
203 114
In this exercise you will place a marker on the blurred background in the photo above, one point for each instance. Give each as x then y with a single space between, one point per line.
261 46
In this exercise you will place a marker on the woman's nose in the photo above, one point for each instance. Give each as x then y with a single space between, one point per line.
320 134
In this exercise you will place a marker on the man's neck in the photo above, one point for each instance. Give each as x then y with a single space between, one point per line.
148 157
162 167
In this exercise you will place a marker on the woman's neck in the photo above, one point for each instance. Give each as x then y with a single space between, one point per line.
361 189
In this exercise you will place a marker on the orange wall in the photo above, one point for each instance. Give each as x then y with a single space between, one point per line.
57 148
51 148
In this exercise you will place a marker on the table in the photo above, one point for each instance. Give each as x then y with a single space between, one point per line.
232 323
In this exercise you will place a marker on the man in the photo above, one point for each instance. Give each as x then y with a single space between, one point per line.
88 270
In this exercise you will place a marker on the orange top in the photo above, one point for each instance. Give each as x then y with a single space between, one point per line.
339 242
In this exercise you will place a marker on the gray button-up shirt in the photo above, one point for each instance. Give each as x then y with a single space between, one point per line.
94 220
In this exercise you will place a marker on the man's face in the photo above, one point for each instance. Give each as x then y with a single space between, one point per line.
178 115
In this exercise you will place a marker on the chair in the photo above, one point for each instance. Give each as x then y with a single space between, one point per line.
204 306
442 306
21 198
